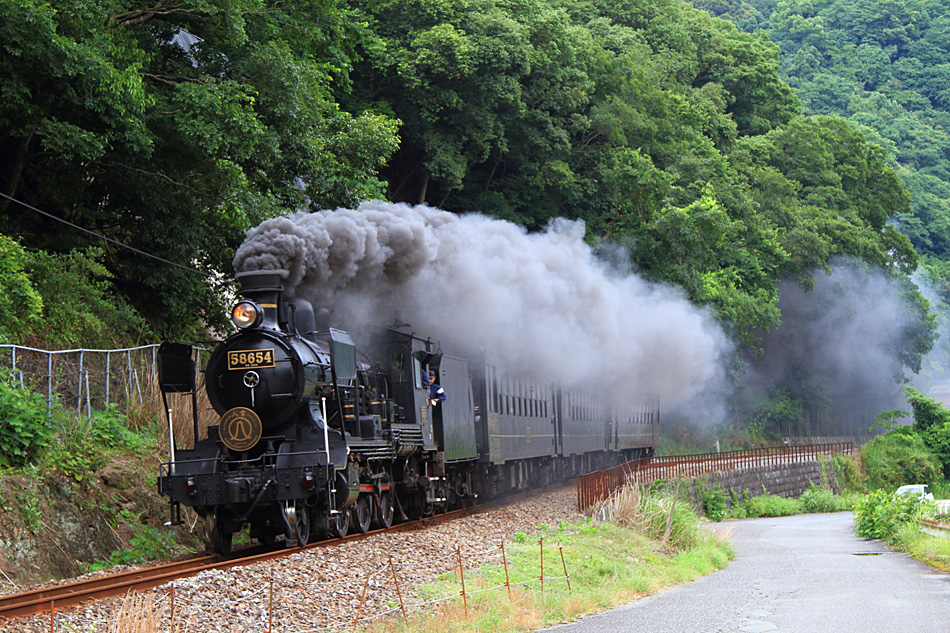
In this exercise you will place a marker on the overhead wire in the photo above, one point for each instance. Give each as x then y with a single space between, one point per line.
107 239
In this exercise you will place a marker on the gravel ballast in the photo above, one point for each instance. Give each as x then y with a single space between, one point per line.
323 588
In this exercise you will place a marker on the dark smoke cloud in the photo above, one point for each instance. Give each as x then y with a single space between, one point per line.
838 340
544 300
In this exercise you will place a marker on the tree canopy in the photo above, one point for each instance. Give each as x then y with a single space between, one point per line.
172 127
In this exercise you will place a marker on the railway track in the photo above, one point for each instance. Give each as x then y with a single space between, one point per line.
45 599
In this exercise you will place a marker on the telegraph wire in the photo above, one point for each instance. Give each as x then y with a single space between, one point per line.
108 239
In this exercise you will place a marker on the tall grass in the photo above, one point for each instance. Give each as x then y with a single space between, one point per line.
149 413
609 565
661 515
139 613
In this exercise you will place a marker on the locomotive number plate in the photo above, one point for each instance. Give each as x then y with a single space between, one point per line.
250 359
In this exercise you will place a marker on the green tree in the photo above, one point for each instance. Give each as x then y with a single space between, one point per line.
174 129
20 304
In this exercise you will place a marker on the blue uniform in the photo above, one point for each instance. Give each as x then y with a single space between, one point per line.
436 393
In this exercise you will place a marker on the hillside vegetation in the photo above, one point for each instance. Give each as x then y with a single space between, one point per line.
882 66
174 128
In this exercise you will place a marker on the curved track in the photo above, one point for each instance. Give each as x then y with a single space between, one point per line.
45 599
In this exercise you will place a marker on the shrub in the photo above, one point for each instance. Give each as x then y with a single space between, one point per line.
25 429
847 472
818 499
771 506
79 305
714 502
20 304
882 514
898 458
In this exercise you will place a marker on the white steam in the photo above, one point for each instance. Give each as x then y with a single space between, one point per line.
543 301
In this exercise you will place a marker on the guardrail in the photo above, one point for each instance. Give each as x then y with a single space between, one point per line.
596 487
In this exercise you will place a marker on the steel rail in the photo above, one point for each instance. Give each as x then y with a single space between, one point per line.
45 599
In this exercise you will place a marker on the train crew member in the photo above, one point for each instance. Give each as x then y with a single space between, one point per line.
436 393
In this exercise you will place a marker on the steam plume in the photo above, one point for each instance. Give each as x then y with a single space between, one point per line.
543 300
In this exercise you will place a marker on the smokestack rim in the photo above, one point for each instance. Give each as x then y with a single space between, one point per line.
253 281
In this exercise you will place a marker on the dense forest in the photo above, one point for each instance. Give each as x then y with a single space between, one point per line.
745 172
885 68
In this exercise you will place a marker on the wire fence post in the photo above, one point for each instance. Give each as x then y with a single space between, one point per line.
541 544
398 593
504 560
52 621
458 552
270 606
171 613
79 389
567 576
359 609
49 384
108 375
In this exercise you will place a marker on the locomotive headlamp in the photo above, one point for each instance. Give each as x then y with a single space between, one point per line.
246 314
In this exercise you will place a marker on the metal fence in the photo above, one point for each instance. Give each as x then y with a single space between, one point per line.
596 487
84 380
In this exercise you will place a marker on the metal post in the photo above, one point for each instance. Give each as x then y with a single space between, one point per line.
79 390
567 576
458 552
171 616
49 383
270 609
541 544
362 601
504 560
398 593
88 399
108 375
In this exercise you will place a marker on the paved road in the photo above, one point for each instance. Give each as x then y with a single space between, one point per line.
801 574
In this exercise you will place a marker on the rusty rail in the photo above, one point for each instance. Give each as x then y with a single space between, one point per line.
596 487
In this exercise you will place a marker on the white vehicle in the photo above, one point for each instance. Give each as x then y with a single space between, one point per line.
916 489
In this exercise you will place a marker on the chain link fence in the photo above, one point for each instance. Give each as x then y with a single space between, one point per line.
84 380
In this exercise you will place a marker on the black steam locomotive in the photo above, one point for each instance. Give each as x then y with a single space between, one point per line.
316 438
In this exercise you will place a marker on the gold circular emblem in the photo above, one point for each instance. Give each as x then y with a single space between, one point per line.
240 429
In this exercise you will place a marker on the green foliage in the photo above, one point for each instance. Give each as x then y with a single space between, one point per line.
932 423
847 473
927 411
174 131
768 505
20 304
25 427
148 543
882 513
714 502
898 458
656 512
882 67
80 307
818 499
887 420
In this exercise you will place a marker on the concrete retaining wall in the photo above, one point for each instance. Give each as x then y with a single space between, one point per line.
787 480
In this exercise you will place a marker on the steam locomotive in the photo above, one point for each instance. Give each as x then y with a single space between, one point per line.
317 438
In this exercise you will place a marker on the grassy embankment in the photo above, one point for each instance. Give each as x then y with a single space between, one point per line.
645 542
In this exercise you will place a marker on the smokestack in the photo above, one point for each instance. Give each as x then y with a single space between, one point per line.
264 287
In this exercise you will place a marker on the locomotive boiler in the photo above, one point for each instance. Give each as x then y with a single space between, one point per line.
316 437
